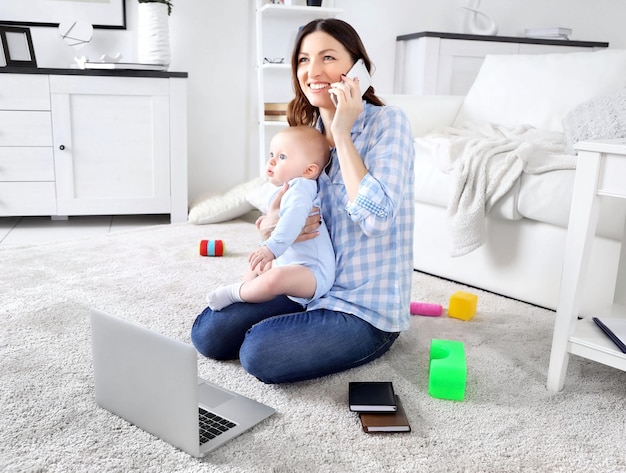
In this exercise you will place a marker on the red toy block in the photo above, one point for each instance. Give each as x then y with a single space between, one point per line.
212 248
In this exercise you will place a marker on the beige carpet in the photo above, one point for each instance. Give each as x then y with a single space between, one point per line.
49 421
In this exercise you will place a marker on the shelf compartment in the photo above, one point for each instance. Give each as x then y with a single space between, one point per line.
590 342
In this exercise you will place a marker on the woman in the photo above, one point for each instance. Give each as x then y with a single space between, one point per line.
367 202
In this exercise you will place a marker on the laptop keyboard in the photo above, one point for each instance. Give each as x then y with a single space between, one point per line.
212 425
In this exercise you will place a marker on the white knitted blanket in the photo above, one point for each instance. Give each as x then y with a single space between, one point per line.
486 162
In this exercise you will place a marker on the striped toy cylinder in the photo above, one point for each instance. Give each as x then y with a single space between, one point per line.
212 248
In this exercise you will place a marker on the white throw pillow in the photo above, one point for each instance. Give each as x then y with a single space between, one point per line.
259 197
539 89
599 118
220 208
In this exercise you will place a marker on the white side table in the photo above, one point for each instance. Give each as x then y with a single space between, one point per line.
601 171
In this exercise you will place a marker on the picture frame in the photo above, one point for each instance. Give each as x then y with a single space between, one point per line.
17 46
105 14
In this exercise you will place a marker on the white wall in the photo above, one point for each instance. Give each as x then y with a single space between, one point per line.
379 23
213 40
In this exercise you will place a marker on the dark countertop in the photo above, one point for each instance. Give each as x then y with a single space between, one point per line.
92 72
503 39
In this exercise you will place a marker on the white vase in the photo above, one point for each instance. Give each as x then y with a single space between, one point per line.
476 22
153 34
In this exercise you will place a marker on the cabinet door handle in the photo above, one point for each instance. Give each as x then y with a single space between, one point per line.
62 147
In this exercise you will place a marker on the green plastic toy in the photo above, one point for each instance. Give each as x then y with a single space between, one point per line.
448 370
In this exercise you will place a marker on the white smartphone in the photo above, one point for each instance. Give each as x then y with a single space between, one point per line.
358 70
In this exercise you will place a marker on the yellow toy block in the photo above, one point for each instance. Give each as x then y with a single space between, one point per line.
462 305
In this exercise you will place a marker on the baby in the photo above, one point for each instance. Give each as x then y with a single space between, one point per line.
303 271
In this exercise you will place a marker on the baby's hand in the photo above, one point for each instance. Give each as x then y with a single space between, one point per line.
260 257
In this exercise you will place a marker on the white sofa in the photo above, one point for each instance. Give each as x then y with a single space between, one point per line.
571 97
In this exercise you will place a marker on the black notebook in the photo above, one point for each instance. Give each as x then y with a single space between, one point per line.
615 329
372 396
385 421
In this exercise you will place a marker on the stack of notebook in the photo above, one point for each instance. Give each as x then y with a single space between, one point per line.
378 406
548 33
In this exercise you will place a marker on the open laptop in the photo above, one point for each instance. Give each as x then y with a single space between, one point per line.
152 381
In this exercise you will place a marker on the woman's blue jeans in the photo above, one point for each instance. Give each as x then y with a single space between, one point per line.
279 343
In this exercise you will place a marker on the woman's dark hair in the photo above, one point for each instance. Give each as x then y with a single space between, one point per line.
300 111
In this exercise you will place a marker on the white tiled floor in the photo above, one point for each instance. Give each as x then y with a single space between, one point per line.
29 230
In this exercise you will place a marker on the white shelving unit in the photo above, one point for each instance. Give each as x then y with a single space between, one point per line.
276 28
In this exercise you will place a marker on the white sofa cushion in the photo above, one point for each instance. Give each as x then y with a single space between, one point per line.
426 112
547 198
435 186
220 208
260 197
544 197
539 89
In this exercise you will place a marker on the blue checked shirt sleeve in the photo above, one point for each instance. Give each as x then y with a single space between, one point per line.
388 155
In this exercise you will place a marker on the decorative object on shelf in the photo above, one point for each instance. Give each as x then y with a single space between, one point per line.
17 46
313 3
476 22
108 58
76 33
83 62
274 60
548 33
276 111
128 66
169 4
153 34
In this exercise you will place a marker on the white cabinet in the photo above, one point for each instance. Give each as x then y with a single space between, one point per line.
26 159
83 144
430 63
276 28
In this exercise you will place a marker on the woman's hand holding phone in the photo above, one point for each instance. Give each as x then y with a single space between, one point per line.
346 95
357 71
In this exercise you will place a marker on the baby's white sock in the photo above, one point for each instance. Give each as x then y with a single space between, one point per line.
224 296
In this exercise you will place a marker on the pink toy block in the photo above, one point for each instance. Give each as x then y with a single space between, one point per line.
462 305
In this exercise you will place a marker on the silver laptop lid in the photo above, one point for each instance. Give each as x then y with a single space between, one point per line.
146 378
